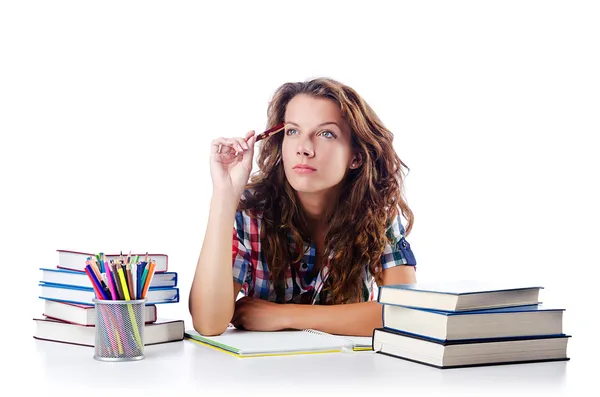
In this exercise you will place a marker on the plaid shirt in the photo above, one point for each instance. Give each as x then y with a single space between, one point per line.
251 271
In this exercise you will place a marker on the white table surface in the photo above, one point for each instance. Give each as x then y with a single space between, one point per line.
187 368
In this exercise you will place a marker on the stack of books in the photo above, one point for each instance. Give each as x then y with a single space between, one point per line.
466 323
69 312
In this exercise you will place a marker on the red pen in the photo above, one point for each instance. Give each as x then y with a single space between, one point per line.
261 136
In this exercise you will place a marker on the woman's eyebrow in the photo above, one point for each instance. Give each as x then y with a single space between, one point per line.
320 125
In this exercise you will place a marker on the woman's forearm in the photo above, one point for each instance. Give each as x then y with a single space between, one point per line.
358 319
211 295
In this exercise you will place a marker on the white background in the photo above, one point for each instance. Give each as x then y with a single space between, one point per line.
107 110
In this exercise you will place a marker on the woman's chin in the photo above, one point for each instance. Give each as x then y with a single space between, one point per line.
305 186
309 187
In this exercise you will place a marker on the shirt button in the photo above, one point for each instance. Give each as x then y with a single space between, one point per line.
404 244
304 266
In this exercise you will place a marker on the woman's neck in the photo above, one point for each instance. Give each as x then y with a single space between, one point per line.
317 207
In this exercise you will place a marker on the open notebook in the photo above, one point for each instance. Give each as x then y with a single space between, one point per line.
242 343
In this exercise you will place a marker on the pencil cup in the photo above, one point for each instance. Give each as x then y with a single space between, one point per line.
119 330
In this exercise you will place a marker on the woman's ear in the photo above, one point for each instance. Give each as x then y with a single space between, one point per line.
356 161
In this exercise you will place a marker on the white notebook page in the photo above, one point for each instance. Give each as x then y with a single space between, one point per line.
253 342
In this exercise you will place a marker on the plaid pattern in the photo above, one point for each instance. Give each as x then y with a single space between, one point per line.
252 272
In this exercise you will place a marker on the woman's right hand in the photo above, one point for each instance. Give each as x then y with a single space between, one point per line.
230 172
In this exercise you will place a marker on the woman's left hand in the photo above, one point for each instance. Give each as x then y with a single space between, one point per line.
255 314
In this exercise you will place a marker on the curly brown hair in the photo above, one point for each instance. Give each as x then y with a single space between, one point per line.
374 190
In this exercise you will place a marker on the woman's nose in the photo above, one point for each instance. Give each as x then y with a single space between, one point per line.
305 148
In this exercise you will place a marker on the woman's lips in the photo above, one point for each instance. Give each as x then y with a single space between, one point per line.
304 169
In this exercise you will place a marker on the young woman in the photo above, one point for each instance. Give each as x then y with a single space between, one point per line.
315 231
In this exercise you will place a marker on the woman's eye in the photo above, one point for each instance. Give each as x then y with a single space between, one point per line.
326 134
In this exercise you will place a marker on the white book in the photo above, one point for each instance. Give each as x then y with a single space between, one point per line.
83 314
161 331
459 295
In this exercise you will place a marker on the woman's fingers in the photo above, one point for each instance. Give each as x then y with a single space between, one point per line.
231 145
242 142
223 145
238 314
234 319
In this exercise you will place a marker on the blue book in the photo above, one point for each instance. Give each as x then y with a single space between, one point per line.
469 353
79 279
86 295
459 295
443 326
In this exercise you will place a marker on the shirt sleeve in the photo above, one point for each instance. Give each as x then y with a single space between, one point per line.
239 252
398 252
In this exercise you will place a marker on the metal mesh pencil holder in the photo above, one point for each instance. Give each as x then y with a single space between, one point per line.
119 330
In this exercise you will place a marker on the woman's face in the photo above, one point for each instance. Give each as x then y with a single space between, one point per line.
316 151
